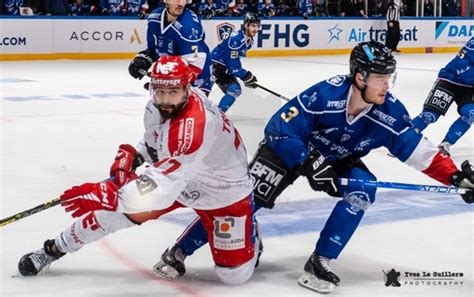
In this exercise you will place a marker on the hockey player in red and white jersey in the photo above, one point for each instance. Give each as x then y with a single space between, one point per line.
197 160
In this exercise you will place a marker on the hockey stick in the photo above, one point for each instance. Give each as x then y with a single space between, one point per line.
29 212
272 92
402 186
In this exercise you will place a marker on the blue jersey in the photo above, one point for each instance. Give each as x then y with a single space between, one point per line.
305 6
134 7
460 70
12 7
317 119
183 37
114 7
229 51
83 9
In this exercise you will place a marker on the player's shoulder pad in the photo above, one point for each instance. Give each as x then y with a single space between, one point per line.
155 15
392 114
186 133
326 95
189 26
236 40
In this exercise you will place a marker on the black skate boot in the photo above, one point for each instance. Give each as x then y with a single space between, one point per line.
171 264
318 276
39 261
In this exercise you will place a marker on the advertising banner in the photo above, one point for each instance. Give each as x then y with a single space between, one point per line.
45 38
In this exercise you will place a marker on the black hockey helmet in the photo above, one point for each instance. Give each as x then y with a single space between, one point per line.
371 57
250 18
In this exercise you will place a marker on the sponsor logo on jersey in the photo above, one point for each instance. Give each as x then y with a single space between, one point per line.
229 232
384 117
266 177
337 104
224 30
440 99
185 135
193 195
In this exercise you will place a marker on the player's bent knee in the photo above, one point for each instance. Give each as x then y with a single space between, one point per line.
467 113
234 276
234 90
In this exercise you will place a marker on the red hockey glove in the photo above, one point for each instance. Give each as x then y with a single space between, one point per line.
89 197
126 161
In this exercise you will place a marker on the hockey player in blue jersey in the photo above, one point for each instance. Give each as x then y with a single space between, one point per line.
175 30
455 83
226 66
322 134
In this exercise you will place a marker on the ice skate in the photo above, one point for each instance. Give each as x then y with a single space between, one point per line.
38 262
318 276
171 264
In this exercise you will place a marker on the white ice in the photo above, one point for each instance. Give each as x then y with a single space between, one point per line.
61 122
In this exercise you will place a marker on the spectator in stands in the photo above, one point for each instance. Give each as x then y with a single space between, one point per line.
79 8
305 8
113 7
353 8
56 7
134 7
241 8
12 7
320 8
451 8
429 8
207 9
282 8
377 8
266 9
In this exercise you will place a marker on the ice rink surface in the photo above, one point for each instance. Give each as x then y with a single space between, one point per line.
62 121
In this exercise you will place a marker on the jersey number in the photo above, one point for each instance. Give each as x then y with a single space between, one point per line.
290 115
171 164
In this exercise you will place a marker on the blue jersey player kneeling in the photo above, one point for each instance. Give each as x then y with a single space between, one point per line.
322 134
226 64
175 31
455 83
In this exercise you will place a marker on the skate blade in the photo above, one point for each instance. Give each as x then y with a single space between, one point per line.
165 271
311 282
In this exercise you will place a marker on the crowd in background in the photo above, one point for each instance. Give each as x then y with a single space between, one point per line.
212 8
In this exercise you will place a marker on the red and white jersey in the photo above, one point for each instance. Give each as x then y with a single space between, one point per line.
202 161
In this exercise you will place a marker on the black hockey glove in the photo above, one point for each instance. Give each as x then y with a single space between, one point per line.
320 174
140 65
250 81
465 179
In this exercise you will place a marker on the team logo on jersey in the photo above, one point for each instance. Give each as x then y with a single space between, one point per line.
336 80
224 30
145 184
